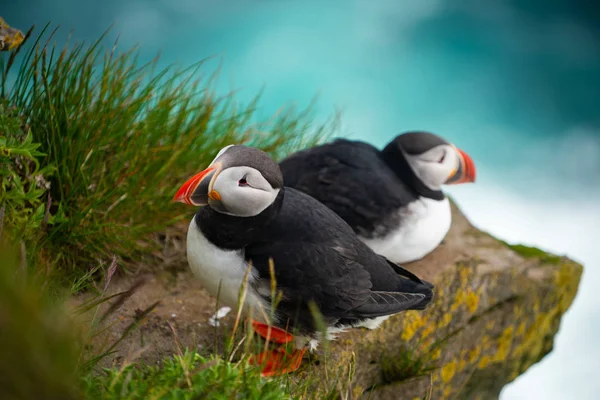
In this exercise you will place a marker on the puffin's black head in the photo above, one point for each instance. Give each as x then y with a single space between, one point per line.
241 181
433 160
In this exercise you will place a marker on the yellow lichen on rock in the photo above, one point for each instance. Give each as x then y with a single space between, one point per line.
474 354
446 319
472 300
493 315
10 38
447 371
521 329
413 322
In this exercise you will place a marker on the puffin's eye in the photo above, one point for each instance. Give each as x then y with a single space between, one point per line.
242 182
441 160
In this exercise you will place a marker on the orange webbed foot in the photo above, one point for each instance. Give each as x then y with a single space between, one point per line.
276 335
278 362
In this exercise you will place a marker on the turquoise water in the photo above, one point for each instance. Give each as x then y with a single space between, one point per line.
514 83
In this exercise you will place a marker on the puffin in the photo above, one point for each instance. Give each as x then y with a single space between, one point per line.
392 198
250 230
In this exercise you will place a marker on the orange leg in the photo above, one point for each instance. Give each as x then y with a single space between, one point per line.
275 335
278 362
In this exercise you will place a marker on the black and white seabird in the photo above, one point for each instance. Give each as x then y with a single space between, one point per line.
251 218
392 198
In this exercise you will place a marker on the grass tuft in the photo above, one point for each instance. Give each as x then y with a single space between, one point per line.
409 364
39 345
112 137
185 376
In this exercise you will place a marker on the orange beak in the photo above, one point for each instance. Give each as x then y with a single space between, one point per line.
195 191
466 172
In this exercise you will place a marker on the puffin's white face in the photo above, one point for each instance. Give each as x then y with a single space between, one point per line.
435 166
241 181
241 191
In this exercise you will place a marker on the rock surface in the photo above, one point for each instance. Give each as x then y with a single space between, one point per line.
10 38
495 313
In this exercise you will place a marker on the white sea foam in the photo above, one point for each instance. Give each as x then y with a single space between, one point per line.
570 227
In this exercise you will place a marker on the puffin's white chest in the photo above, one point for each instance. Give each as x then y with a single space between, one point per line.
425 222
216 267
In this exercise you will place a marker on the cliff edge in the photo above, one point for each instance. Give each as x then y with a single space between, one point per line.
496 310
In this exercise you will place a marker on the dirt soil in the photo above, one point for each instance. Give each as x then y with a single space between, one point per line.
183 304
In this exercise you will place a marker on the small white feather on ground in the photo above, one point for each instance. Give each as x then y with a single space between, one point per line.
221 313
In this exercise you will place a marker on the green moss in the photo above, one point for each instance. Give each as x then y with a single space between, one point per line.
534 252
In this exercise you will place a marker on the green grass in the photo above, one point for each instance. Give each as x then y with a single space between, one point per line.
23 180
40 347
409 364
113 138
186 376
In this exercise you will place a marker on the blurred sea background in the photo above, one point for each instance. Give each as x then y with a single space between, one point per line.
514 83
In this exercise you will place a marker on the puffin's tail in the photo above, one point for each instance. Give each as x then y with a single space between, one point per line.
425 288
413 284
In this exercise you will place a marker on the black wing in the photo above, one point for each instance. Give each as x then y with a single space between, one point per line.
351 179
387 303
339 287
394 288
